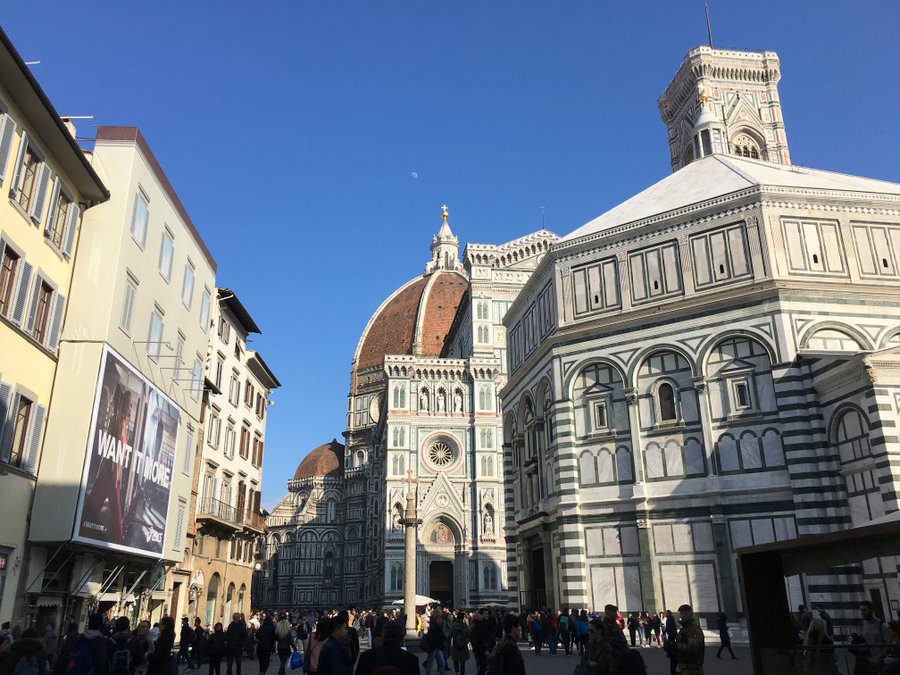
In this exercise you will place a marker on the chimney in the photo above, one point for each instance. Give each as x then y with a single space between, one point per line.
70 125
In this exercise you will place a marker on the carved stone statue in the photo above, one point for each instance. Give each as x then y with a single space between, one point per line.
423 401
441 401
457 401
488 523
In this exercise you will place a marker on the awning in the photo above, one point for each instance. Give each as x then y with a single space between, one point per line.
821 552
421 600
49 601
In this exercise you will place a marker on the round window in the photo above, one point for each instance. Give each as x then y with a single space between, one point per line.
441 454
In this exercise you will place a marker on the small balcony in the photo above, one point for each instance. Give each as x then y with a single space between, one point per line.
216 511
254 521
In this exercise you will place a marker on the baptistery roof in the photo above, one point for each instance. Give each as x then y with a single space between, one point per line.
326 461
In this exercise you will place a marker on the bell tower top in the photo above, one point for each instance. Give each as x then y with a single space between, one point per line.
724 101
444 247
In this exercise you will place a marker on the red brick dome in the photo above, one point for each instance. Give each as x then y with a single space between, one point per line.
323 462
414 320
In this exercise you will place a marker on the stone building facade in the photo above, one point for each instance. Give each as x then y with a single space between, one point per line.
423 398
709 365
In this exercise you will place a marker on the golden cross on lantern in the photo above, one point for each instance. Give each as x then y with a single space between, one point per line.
444 211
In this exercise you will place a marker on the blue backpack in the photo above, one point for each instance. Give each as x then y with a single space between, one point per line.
81 658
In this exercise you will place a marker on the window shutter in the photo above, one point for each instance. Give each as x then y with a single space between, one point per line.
6 136
9 426
23 143
40 197
34 439
5 395
21 293
71 228
32 309
56 322
54 200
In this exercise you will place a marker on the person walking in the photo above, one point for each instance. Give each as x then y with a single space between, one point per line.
215 649
314 645
537 629
564 636
724 636
185 640
483 640
284 639
689 644
388 654
633 628
435 644
87 651
235 635
506 659
265 644
598 651
125 653
332 658
26 655
160 661
581 632
459 643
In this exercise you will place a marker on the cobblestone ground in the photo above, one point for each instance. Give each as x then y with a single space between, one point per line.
560 664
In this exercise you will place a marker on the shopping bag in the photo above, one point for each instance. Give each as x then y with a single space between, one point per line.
296 660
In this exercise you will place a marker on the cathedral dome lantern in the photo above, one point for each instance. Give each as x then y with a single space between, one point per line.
444 247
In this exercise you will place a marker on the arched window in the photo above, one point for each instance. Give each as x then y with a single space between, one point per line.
328 567
329 511
665 402
744 145
852 436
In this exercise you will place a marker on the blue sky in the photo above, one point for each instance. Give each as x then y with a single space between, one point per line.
294 132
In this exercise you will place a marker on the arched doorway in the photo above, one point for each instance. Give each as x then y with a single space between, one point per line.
441 542
211 593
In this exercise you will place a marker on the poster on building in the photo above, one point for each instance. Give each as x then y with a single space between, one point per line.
124 496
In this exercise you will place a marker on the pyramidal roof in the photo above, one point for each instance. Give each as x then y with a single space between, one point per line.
719 175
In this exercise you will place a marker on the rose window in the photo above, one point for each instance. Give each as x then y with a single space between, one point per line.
440 454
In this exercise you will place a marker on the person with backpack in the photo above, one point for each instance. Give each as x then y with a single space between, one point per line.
581 632
537 629
160 660
388 654
506 659
563 631
87 654
215 649
265 643
125 654
26 655
459 643
284 642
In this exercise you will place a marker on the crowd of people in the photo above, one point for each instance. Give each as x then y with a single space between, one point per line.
484 642
331 643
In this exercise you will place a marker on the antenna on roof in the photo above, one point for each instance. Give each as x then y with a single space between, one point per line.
542 217
32 63
708 26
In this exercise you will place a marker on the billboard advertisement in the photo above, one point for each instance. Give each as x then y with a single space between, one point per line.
124 496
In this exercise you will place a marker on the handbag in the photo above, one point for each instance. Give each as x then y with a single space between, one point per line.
296 661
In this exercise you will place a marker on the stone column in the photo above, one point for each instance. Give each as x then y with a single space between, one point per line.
410 523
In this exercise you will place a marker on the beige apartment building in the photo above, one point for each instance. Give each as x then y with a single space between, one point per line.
111 509
46 183
228 521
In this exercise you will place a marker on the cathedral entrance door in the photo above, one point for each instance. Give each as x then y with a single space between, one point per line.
440 581
538 579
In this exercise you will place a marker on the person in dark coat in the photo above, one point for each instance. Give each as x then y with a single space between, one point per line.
160 659
482 639
28 647
435 644
724 636
215 649
185 640
93 641
234 642
265 644
506 659
332 658
123 640
388 653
